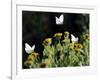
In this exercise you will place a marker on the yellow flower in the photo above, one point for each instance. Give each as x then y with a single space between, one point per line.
43 65
86 36
34 54
47 41
58 34
30 58
78 46
66 34
28 63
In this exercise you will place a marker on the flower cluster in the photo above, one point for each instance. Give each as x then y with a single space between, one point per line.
60 52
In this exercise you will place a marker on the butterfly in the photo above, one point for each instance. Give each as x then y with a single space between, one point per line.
73 38
28 48
60 19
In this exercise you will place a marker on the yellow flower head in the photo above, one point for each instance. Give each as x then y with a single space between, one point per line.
30 58
78 46
47 41
58 34
86 36
43 65
34 54
28 63
66 34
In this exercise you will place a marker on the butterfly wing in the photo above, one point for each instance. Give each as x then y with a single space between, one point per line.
77 39
73 38
57 20
61 19
28 48
33 47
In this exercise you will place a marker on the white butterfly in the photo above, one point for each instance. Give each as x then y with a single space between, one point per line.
60 19
73 38
28 48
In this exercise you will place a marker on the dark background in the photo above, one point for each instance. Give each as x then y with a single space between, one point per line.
36 26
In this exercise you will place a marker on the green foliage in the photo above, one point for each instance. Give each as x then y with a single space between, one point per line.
63 53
